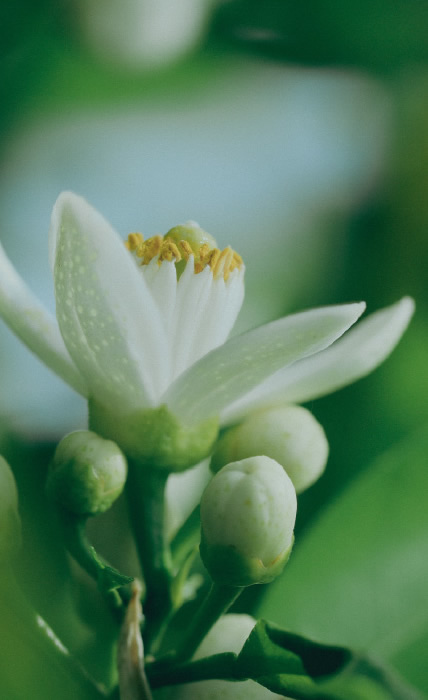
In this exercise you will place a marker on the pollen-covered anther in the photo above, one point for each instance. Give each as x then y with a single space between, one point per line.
164 248
186 249
151 248
169 251
213 258
222 266
135 242
202 258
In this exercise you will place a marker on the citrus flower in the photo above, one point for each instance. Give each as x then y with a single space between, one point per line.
142 330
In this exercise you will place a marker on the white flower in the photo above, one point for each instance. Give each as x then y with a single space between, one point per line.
141 339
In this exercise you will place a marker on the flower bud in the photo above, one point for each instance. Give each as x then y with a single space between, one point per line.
10 523
87 473
289 434
248 512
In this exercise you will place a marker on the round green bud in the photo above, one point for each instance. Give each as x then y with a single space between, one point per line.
87 473
155 438
288 434
193 234
10 523
248 511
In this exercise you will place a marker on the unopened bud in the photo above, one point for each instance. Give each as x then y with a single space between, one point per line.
248 512
10 523
289 434
87 473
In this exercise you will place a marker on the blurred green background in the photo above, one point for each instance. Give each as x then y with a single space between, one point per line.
297 132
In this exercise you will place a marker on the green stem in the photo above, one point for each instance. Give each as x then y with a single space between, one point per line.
77 543
220 666
217 602
187 537
146 496
177 600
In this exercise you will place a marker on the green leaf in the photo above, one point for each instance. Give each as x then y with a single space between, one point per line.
358 577
109 579
34 663
290 665
263 655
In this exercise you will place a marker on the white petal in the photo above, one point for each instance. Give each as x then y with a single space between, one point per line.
193 296
220 315
35 326
106 314
197 311
227 373
350 358
162 282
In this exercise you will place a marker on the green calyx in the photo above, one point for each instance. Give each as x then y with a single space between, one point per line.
155 437
228 567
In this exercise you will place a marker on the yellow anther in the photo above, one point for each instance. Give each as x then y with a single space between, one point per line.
186 249
222 266
228 267
135 241
213 257
151 248
202 257
169 251
203 252
235 262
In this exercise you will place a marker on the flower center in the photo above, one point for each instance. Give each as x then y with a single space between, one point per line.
179 244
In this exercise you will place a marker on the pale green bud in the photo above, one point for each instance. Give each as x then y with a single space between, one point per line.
155 438
10 523
87 473
289 434
248 512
